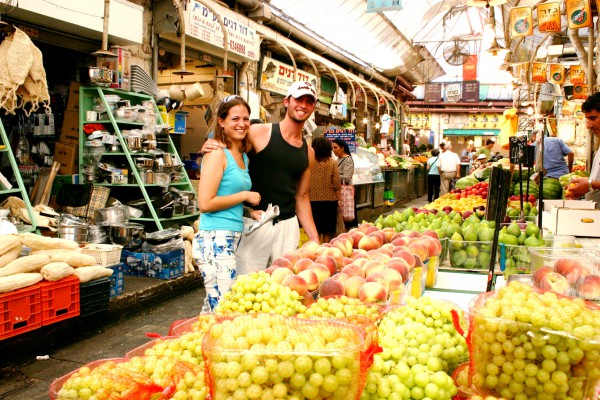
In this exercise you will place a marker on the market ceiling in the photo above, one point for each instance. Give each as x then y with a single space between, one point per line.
411 42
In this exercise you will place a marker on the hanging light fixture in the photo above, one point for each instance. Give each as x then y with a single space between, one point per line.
495 49
104 50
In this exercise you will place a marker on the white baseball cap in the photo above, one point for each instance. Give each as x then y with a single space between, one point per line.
299 89
481 156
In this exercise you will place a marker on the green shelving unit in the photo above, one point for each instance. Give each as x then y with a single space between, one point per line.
87 99
20 189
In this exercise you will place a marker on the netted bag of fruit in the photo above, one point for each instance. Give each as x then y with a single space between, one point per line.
184 380
526 344
261 355
258 292
109 380
187 347
201 323
365 316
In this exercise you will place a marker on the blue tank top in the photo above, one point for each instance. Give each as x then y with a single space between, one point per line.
234 180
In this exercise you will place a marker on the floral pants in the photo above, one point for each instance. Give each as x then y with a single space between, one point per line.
214 252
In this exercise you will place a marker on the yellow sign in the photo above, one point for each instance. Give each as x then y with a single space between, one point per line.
557 73
576 74
549 17
539 72
521 21
580 91
420 120
579 13
485 121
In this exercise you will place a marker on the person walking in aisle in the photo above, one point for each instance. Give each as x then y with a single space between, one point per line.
406 148
280 164
224 185
325 189
449 167
433 176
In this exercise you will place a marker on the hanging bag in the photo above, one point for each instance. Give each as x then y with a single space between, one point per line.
347 203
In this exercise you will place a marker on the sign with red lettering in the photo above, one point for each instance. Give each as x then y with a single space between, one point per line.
277 77
203 25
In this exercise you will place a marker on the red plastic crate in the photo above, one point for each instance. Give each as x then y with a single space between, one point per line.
20 311
60 300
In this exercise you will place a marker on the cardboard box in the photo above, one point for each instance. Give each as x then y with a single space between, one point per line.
177 120
155 265
579 204
69 132
572 221
73 97
121 64
67 155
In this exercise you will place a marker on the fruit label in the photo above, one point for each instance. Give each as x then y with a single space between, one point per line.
549 17
579 13
557 73
576 74
521 21
539 72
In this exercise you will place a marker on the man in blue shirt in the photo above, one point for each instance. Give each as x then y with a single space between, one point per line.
555 151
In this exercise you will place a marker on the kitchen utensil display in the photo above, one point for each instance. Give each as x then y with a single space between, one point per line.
76 233
128 235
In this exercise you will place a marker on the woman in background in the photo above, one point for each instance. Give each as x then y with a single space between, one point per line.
325 189
344 160
224 185
433 176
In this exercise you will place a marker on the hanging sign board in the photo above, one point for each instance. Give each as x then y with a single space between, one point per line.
470 91
576 74
520 152
383 5
433 92
484 121
580 91
579 13
452 92
548 15
557 73
521 21
539 72
203 25
347 135
277 77
419 121
470 68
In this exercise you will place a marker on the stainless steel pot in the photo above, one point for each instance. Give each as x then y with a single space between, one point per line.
134 142
111 215
128 235
144 162
76 233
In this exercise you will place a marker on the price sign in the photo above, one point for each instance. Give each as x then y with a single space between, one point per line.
520 152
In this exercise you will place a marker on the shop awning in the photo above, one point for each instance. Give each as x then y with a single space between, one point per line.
471 132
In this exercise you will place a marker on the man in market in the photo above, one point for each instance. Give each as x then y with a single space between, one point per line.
449 168
555 151
589 187
406 148
487 149
279 167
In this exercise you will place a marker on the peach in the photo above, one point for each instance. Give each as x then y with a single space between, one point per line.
283 262
394 279
554 282
370 243
296 283
271 269
387 251
539 273
373 266
379 234
401 266
341 276
407 256
311 246
570 269
329 262
400 241
372 292
293 257
379 277
384 258
361 261
311 278
367 228
331 287
418 262
356 236
345 246
414 234
305 252
354 270
280 273
358 253
434 247
420 249
328 249
321 270
432 234
398 248
346 261
389 233
302 264
588 287
352 286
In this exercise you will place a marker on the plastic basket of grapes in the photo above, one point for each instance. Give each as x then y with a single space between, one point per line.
328 352
515 259
200 323
527 343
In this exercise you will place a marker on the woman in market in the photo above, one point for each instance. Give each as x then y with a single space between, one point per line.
433 176
224 185
344 160
325 189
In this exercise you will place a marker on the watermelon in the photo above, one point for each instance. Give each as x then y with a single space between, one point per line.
552 189
522 177
466 182
533 188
